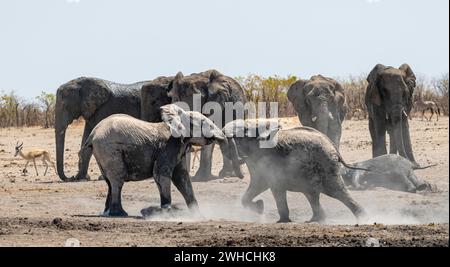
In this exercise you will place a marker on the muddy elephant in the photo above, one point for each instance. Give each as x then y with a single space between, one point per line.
320 104
128 149
92 99
389 101
154 95
302 160
211 86
391 171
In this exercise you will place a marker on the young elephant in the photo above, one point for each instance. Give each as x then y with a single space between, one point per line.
389 171
303 160
128 149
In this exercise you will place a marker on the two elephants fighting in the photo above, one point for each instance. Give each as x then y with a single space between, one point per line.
96 99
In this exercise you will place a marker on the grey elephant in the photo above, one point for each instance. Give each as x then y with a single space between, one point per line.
211 86
302 160
320 104
389 101
154 95
389 171
128 149
92 99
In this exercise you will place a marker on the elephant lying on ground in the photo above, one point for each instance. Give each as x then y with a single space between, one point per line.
389 171
92 99
128 149
320 104
303 160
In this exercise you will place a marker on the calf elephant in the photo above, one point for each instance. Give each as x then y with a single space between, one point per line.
303 160
320 104
211 86
92 99
128 149
389 101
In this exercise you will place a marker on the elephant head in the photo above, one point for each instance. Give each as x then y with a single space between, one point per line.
320 104
239 146
193 127
77 98
390 92
154 95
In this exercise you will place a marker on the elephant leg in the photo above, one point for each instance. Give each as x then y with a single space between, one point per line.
180 179
378 134
336 189
314 201
164 182
392 144
115 206
84 155
227 169
108 197
204 171
256 187
282 205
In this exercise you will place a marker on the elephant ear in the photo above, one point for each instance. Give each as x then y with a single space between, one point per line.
176 118
410 77
297 95
174 86
410 80
340 100
373 95
267 130
94 94
219 88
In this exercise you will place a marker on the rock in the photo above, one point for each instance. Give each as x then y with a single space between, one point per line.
372 242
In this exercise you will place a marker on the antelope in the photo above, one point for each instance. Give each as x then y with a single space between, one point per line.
422 106
32 155
196 150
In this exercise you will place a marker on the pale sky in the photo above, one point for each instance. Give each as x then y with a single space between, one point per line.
46 43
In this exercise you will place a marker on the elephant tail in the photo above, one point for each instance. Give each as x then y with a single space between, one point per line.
423 168
341 160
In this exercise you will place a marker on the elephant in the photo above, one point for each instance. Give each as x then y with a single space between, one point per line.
129 149
92 99
389 101
320 104
302 160
211 86
154 95
389 171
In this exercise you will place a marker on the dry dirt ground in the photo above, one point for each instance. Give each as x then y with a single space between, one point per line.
43 211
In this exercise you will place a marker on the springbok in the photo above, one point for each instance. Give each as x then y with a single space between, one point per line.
196 150
423 106
32 155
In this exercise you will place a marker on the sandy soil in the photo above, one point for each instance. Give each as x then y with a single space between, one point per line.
42 211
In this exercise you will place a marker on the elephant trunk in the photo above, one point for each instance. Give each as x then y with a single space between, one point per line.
231 152
320 118
398 134
60 134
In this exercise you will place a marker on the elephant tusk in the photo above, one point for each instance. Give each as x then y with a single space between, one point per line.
404 112
331 116
314 119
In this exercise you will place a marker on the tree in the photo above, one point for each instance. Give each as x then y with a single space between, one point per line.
47 101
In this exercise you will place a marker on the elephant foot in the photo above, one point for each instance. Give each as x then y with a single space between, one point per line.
116 213
257 207
424 186
204 177
316 219
80 177
230 173
284 220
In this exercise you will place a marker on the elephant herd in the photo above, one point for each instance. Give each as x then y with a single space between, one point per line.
136 132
